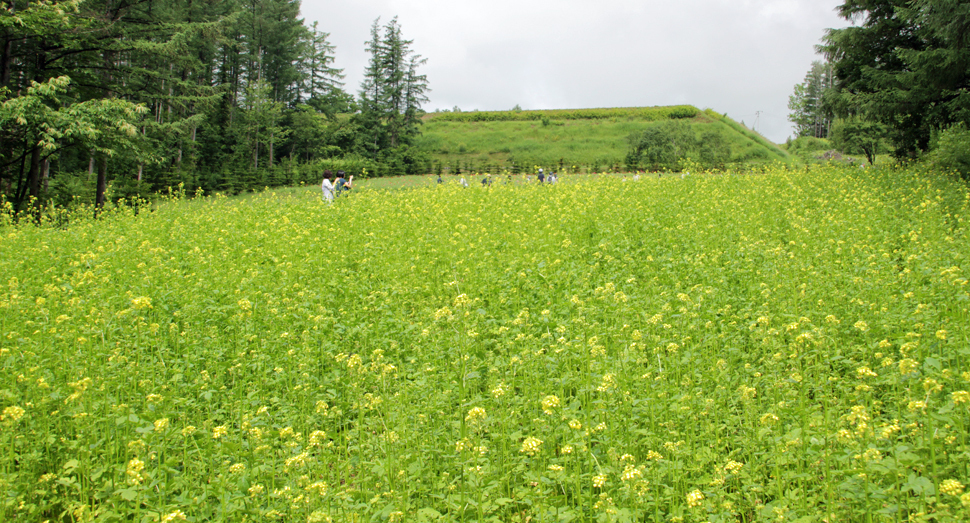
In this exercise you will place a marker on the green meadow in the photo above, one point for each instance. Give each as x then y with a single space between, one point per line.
787 345
588 140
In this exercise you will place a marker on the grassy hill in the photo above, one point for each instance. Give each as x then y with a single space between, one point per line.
576 139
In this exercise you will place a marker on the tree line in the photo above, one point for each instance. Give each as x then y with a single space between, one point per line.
223 95
898 79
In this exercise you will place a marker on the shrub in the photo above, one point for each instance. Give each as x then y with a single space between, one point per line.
661 146
952 151
858 136
808 145
713 150
351 164
638 113
70 188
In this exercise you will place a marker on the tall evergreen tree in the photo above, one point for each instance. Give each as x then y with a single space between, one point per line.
202 93
321 87
905 64
810 109
99 48
391 96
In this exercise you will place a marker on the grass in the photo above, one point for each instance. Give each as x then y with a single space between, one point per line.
791 345
577 144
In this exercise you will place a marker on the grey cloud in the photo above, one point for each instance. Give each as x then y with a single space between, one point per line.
734 56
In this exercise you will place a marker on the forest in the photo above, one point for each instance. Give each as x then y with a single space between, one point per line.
895 82
126 97
110 100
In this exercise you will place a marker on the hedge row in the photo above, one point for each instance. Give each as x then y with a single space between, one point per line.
633 113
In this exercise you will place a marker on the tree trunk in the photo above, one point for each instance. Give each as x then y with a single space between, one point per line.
45 171
6 54
102 188
5 60
99 196
33 175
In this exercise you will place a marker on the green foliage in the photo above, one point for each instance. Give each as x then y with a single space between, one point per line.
904 64
48 114
358 166
71 189
661 147
581 145
104 125
809 149
391 96
649 114
804 145
714 152
788 347
810 104
951 152
215 88
858 136
675 146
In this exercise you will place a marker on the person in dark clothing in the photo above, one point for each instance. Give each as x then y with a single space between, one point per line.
342 184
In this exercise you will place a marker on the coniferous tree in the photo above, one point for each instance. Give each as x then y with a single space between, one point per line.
810 108
202 93
101 48
391 96
904 64
321 88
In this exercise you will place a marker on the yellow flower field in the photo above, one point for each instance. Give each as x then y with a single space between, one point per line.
792 345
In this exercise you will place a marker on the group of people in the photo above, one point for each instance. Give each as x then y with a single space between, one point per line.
552 178
487 179
332 188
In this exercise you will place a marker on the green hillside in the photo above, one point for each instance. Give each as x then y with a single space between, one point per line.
576 139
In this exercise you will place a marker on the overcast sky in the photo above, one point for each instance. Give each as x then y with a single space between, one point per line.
739 57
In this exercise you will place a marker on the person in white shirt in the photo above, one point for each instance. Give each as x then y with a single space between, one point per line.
327 186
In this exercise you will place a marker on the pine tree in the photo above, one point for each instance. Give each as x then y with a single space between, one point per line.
905 64
810 110
321 86
391 94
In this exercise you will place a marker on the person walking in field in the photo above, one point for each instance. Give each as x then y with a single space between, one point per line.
541 176
327 187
